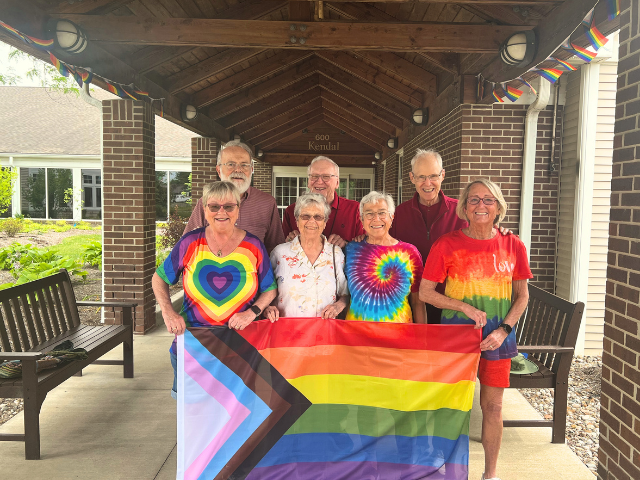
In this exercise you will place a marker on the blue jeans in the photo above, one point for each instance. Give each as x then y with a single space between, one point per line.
174 364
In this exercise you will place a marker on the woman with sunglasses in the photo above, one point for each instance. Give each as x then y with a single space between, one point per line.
383 273
309 270
486 285
227 276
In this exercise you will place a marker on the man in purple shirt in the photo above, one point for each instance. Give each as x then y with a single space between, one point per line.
258 210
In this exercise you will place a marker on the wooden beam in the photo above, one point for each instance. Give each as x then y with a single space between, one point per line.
360 11
355 132
30 20
209 67
352 119
281 114
90 7
247 77
463 2
550 33
304 158
213 32
314 106
348 96
418 77
300 88
293 132
363 115
258 92
300 11
374 76
446 61
292 121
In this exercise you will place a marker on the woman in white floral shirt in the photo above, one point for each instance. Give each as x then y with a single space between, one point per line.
309 270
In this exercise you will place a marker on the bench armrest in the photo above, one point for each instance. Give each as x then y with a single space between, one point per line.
545 349
107 304
4 356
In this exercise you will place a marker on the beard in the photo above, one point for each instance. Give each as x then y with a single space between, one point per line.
235 178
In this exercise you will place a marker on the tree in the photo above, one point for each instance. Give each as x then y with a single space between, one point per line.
7 179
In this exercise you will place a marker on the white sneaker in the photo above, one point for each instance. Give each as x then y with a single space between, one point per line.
484 478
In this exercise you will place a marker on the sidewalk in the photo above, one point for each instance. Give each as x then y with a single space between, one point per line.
103 426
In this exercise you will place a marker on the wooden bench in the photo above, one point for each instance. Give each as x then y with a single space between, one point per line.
548 331
34 318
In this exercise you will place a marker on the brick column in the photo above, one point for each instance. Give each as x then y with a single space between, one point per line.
619 456
128 208
204 154
263 176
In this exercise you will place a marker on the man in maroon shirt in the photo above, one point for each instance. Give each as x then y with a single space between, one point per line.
429 214
258 210
344 222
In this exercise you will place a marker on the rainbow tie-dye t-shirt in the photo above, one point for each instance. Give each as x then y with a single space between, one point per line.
380 279
480 273
217 287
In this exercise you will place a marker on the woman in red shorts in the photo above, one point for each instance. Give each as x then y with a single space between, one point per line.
486 284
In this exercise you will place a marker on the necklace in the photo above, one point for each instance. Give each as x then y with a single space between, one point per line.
470 235
219 252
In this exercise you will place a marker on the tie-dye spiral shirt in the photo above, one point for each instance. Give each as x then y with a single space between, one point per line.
480 273
217 287
380 279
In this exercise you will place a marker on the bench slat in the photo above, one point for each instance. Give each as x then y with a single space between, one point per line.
26 308
68 299
38 317
58 327
57 306
4 338
31 338
26 339
12 327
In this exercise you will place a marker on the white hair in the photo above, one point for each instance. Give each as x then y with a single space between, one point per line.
426 153
312 199
375 197
235 143
326 159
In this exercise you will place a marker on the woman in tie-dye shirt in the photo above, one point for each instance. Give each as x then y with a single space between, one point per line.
486 284
227 275
383 273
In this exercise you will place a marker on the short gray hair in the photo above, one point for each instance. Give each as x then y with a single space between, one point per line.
326 159
220 190
375 197
312 199
495 191
426 153
235 143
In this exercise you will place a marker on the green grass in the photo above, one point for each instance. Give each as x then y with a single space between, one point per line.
73 247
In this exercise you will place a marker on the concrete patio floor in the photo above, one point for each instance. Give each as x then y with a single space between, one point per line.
103 426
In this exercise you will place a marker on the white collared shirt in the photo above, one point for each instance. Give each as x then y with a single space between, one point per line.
304 290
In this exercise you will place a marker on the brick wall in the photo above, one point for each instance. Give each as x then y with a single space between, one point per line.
619 455
129 216
391 177
379 177
204 152
263 176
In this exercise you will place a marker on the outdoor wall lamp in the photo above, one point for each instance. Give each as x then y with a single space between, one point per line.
188 113
67 36
237 138
420 116
377 155
392 142
260 154
519 49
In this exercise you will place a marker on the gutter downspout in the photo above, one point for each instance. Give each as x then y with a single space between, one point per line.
529 162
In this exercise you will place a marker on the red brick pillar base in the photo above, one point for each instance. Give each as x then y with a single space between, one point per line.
128 209
204 153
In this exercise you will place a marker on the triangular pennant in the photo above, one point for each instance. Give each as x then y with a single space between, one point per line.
533 90
512 93
566 65
497 97
550 74
613 8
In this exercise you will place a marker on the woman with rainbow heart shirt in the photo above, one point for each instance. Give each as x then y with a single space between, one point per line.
227 275
383 273
486 285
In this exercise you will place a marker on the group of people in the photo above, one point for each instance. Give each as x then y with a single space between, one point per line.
432 259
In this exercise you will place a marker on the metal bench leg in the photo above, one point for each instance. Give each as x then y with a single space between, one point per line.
79 374
127 355
559 412
31 411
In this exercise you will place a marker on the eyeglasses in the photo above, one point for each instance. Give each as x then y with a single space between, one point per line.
317 218
477 200
432 178
325 178
381 215
215 208
233 166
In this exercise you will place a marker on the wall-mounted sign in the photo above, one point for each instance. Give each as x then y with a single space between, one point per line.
317 147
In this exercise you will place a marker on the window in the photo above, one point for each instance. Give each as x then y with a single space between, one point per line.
172 195
91 194
47 192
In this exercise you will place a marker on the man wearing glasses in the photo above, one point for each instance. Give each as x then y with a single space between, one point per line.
258 210
344 222
429 214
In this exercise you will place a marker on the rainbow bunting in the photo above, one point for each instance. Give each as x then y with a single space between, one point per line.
497 97
43 44
566 65
12 30
583 53
141 93
613 8
512 93
310 398
533 90
116 90
550 74
86 76
596 38
60 66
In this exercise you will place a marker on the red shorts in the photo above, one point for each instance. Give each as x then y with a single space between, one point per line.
494 373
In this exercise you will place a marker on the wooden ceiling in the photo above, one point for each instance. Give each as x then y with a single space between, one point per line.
267 69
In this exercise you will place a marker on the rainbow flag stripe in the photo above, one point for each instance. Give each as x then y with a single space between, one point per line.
512 93
86 76
596 38
311 398
43 44
116 90
60 66
613 8
533 90
550 74
496 97
566 65
583 53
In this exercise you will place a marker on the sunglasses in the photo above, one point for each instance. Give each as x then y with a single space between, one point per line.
317 218
485 200
215 208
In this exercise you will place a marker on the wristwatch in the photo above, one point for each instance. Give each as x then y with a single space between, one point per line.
256 309
506 327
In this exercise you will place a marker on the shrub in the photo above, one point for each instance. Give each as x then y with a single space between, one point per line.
12 226
173 230
93 254
161 256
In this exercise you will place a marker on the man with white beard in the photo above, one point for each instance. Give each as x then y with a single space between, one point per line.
258 210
